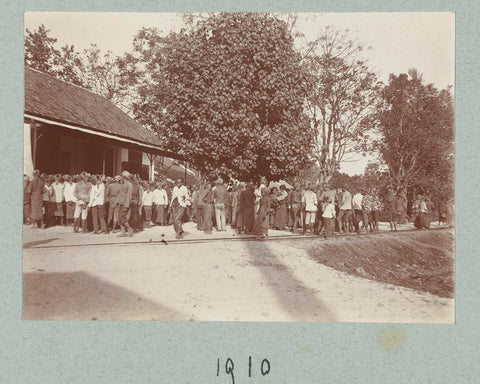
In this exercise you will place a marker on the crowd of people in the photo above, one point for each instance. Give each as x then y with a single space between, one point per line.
124 203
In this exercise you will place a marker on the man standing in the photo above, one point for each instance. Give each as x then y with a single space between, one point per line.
359 214
178 204
234 197
200 195
328 217
124 198
97 201
345 210
26 199
207 207
82 194
70 200
36 188
295 205
112 196
135 201
57 190
160 199
310 204
220 199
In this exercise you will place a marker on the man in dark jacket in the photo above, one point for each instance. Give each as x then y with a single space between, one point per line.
112 196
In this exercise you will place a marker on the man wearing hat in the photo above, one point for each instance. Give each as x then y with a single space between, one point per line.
112 196
124 198
221 199
82 194
179 202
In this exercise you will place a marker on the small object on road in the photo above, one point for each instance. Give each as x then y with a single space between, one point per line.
163 242
361 271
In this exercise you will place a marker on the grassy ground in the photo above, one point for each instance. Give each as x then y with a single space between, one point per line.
421 260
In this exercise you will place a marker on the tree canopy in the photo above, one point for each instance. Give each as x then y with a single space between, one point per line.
235 95
340 97
416 122
228 94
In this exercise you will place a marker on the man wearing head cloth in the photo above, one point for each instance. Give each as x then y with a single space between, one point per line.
70 199
178 204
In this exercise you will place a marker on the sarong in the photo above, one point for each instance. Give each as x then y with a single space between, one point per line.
177 214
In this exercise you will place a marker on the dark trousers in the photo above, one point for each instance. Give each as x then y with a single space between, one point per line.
98 218
360 216
344 219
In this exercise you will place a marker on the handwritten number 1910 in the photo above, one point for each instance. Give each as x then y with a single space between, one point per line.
229 367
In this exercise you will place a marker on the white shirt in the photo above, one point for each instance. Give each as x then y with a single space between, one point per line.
329 211
181 194
147 198
160 197
357 201
58 191
346 200
310 200
68 192
97 195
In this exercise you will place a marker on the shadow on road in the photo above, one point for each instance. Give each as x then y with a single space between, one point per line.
81 296
300 301
31 244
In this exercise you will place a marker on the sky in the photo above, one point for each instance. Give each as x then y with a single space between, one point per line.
398 40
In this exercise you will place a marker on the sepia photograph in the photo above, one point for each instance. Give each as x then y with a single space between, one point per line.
239 167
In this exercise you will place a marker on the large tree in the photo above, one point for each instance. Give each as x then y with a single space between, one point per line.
340 96
228 93
41 54
416 122
104 73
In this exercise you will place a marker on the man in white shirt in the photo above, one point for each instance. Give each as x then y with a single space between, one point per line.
96 204
328 217
345 210
70 199
180 201
310 203
57 190
358 214
147 202
160 200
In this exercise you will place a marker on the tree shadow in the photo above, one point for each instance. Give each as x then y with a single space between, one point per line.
81 296
299 301
31 244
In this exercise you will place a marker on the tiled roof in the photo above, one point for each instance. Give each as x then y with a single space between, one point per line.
54 99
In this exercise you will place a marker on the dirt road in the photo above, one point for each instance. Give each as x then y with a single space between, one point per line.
226 280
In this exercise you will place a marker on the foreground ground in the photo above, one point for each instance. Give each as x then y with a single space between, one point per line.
402 277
